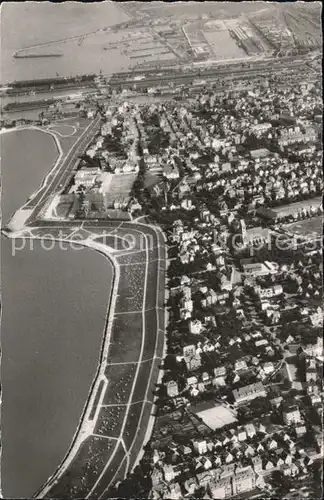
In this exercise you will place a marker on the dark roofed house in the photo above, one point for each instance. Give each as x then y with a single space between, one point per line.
266 213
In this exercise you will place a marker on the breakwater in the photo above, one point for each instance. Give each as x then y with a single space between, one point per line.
31 56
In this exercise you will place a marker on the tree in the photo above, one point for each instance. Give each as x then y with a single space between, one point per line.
281 482
287 386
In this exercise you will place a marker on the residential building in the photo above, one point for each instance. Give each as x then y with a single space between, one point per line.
86 177
156 477
315 349
200 447
249 392
168 472
257 464
172 388
231 483
195 326
291 414
250 430
244 480
221 489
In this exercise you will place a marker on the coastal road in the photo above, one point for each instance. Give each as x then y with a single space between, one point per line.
117 420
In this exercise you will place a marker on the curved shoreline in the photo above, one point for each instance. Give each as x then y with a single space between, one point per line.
53 172
44 179
58 365
83 431
92 406
94 400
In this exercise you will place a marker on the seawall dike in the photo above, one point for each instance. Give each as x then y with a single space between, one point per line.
119 410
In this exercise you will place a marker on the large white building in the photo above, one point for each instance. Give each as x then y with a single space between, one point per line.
86 177
249 392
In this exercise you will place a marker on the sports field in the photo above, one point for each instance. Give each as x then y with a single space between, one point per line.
307 227
217 416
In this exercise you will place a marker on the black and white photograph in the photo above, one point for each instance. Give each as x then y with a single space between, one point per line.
161 275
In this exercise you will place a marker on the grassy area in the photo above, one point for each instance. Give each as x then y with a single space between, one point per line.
84 470
126 338
134 258
120 381
140 435
131 288
293 208
131 424
307 227
110 421
150 338
67 142
141 381
109 474
113 241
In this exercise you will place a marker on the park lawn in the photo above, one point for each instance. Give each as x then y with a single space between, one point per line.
131 288
120 382
126 338
84 470
110 421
